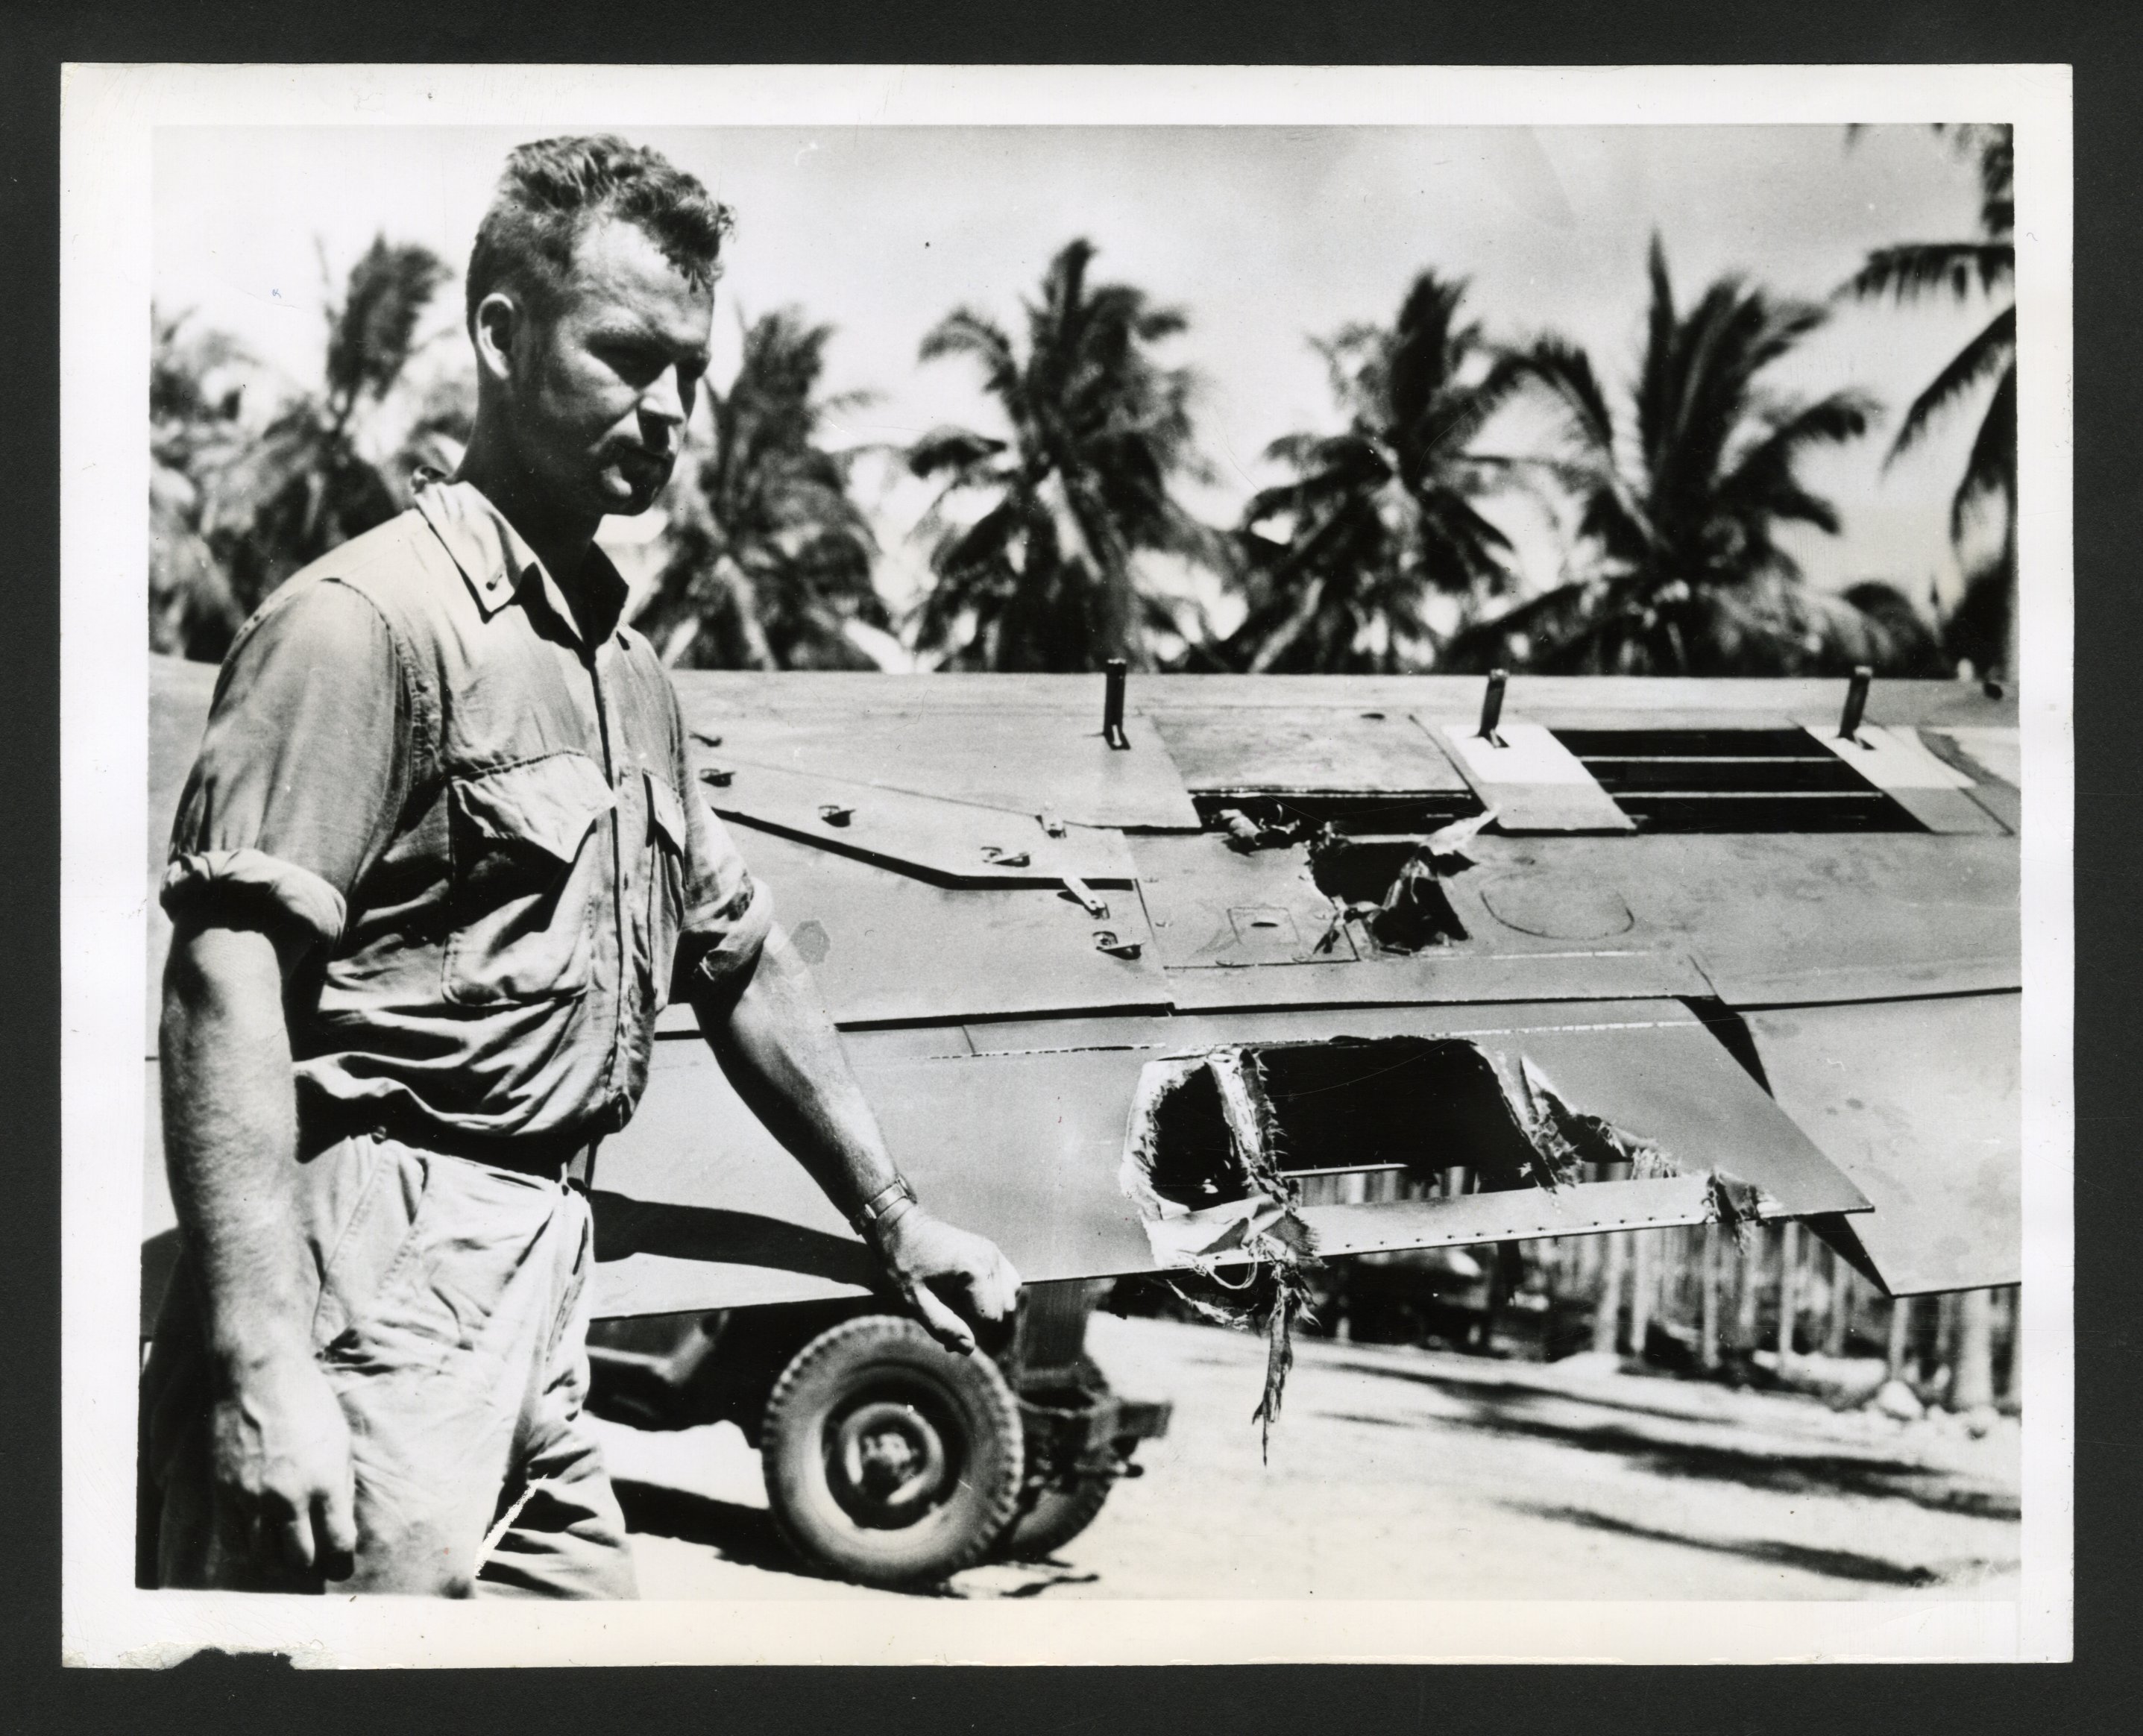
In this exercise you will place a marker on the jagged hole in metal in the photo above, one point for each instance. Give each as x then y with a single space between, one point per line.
1392 886
1370 1118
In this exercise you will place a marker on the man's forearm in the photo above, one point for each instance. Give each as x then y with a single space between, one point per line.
230 1140
778 1046
777 1043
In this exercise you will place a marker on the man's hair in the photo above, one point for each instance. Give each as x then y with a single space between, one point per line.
553 189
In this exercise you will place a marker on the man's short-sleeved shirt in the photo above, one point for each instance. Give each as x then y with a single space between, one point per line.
487 823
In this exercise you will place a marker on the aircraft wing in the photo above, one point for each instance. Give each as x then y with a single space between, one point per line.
1717 967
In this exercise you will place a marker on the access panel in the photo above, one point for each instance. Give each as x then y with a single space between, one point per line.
1532 781
1023 760
1920 1102
956 843
888 948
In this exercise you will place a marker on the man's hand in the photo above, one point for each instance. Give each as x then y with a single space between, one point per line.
278 1444
918 1248
778 1047
281 1466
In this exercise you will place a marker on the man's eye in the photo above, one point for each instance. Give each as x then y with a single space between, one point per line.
639 369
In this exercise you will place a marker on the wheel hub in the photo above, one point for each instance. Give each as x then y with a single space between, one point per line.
886 1463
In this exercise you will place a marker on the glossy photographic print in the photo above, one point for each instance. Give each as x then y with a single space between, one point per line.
1128 865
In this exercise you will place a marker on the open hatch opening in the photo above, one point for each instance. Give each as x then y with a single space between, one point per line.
1301 813
1733 780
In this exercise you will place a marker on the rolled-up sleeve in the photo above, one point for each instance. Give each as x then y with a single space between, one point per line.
302 770
728 911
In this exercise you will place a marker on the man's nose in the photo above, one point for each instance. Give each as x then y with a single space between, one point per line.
662 405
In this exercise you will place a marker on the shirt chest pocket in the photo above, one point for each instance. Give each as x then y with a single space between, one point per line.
665 887
527 868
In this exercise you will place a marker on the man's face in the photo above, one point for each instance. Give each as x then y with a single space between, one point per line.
604 377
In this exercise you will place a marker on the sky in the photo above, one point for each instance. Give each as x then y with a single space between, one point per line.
1263 236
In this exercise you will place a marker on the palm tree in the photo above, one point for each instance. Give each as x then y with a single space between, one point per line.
1678 509
194 402
1983 628
770 560
1912 645
306 485
1045 577
1380 519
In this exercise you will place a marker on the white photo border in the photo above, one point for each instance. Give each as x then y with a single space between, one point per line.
110 117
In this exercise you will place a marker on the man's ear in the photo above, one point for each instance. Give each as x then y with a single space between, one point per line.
493 328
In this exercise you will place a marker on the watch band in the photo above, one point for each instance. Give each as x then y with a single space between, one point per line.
882 1207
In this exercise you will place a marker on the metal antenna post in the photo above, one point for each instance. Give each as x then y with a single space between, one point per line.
1856 703
1492 707
1112 706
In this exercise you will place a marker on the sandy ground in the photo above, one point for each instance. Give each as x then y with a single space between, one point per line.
1399 1473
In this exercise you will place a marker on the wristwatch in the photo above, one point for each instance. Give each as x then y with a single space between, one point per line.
869 1219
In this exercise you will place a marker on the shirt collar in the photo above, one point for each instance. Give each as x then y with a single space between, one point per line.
496 560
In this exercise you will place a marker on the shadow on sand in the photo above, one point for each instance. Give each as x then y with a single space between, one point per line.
1836 1564
1504 1408
1779 1472
746 1535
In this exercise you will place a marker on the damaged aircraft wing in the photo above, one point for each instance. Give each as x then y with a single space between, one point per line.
1663 952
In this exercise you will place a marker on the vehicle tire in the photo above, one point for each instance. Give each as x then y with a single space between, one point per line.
1056 1518
1047 1519
889 1461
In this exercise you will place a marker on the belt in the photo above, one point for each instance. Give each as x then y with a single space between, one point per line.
555 1156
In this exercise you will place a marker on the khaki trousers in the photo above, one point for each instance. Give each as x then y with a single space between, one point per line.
451 1319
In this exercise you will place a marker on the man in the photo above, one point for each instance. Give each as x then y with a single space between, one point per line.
439 865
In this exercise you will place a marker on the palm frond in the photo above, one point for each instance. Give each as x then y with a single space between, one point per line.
1566 371
1420 356
954 449
1610 509
1450 424
1354 369
1762 480
964 332
1913 269
1993 347
1997 186
1991 468
1300 451
370 332
1150 325
1276 638
1733 334
1656 380
1956 269
1509 638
